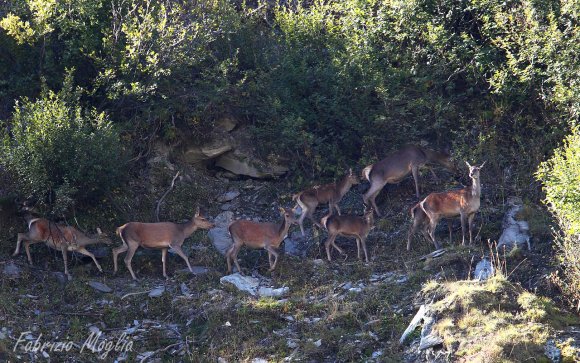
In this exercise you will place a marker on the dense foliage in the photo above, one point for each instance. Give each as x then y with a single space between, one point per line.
61 154
560 176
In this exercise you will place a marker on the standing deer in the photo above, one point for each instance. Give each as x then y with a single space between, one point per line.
332 193
162 235
463 203
259 235
420 221
398 165
348 226
59 237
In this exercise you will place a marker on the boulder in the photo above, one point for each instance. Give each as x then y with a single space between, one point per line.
196 154
296 244
226 123
483 270
251 285
515 232
220 236
241 163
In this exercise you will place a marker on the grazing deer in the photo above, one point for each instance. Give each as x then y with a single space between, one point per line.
420 221
259 235
332 193
463 202
398 165
163 235
58 237
348 226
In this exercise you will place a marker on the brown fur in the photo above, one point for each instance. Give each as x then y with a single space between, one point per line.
163 235
420 221
348 226
398 165
463 203
268 236
332 194
58 237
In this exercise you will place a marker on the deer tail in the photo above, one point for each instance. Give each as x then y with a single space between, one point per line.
366 172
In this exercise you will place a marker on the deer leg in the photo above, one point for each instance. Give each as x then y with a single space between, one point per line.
27 249
470 224
116 252
301 220
432 225
21 237
335 206
234 256
415 171
463 222
128 258
412 231
65 258
434 175
229 257
179 251
364 245
163 261
85 252
358 248
328 243
450 227
271 250
371 194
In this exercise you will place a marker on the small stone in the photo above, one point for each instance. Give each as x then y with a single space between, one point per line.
11 270
184 289
45 355
270 292
157 292
229 196
377 354
318 262
226 206
291 343
100 286
318 343
355 290
347 286
259 360
222 360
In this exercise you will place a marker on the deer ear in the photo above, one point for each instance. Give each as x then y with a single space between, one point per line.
468 165
281 210
197 211
350 171
481 166
99 231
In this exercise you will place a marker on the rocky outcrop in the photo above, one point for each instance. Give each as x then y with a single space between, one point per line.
243 163
515 232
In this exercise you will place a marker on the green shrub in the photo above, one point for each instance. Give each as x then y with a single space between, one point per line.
59 154
560 176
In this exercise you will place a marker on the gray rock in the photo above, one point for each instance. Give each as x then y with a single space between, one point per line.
11 270
240 163
515 232
428 340
414 322
251 285
552 351
156 292
61 278
483 270
226 206
223 220
226 123
211 150
296 244
229 196
221 239
100 286
196 270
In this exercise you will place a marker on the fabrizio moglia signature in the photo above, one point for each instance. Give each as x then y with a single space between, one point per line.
94 343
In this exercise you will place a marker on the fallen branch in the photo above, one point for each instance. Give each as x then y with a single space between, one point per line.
164 195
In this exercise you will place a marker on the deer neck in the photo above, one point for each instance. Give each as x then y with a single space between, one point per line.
188 228
343 186
475 187
283 230
433 156
85 241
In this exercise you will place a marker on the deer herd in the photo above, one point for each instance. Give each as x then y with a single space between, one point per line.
425 214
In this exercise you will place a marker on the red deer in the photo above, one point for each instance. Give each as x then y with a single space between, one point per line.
332 193
420 221
59 237
463 202
259 235
162 235
348 226
398 165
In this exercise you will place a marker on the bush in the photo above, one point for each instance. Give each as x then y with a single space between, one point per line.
560 176
59 154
